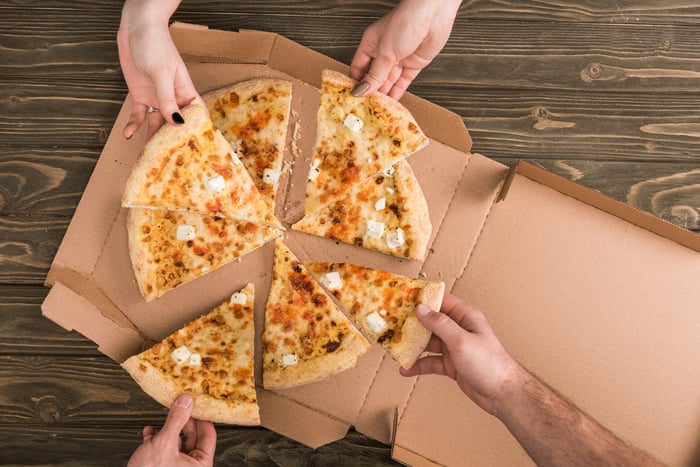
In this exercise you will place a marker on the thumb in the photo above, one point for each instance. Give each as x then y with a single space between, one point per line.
449 332
376 76
178 416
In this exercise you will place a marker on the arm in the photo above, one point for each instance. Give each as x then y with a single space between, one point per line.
152 67
551 429
165 448
398 46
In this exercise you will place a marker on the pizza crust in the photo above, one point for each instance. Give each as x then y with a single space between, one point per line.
415 210
164 391
138 252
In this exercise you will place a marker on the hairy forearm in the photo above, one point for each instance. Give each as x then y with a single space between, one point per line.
555 432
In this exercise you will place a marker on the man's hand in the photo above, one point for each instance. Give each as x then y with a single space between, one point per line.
394 49
464 348
152 67
165 448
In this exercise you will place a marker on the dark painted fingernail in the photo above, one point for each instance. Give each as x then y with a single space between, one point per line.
177 118
360 89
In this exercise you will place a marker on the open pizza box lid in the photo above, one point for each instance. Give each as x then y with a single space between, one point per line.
598 299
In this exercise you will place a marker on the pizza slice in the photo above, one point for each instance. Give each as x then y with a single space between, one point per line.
170 248
253 116
191 167
210 358
384 305
386 212
306 337
357 137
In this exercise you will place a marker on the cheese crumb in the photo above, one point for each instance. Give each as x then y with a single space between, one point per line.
215 184
376 323
380 204
185 232
314 171
395 239
353 123
180 355
238 298
195 360
270 176
375 229
289 359
388 171
389 190
332 280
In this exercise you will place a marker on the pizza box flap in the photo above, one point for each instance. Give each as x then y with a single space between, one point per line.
591 302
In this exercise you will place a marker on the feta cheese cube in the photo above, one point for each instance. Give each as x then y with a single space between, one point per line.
270 176
395 239
238 298
180 355
376 323
289 359
380 204
185 232
389 190
375 229
388 171
215 184
332 280
195 360
353 123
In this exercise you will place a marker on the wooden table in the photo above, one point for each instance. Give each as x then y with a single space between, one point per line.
605 93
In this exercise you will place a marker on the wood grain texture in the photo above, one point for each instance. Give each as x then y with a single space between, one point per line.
603 93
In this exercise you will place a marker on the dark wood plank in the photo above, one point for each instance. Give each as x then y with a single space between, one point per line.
25 332
100 444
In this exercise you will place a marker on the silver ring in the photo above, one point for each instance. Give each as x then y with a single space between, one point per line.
150 109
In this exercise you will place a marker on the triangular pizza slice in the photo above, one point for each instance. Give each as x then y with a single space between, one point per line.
253 116
357 137
306 337
191 167
170 248
384 305
386 212
210 358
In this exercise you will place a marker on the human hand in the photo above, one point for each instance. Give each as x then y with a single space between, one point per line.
394 49
165 448
464 348
152 67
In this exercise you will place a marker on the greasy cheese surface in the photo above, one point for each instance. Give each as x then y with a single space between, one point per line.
255 123
186 173
300 319
345 157
377 199
368 292
215 241
223 339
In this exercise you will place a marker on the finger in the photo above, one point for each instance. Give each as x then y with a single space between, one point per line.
177 417
185 92
155 121
465 315
402 84
206 441
377 74
190 433
363 57
165 91
394 75
434 344
424 366
138 115
442 325
148 433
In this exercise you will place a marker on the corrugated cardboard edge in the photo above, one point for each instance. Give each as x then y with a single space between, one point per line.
62 303
604 203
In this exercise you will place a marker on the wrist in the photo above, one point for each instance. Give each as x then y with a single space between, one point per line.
514 379
149 13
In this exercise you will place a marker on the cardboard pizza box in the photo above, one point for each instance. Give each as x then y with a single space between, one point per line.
598 299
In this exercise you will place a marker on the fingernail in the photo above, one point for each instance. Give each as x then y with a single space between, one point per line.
184 401
177 118
360 89
129 137
422 310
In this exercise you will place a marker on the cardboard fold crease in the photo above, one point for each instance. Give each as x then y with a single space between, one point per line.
526 246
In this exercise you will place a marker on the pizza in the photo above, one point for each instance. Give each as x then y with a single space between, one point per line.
253 116
384 305
210 358
386 212
357 138
306 337
191 167
170 248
